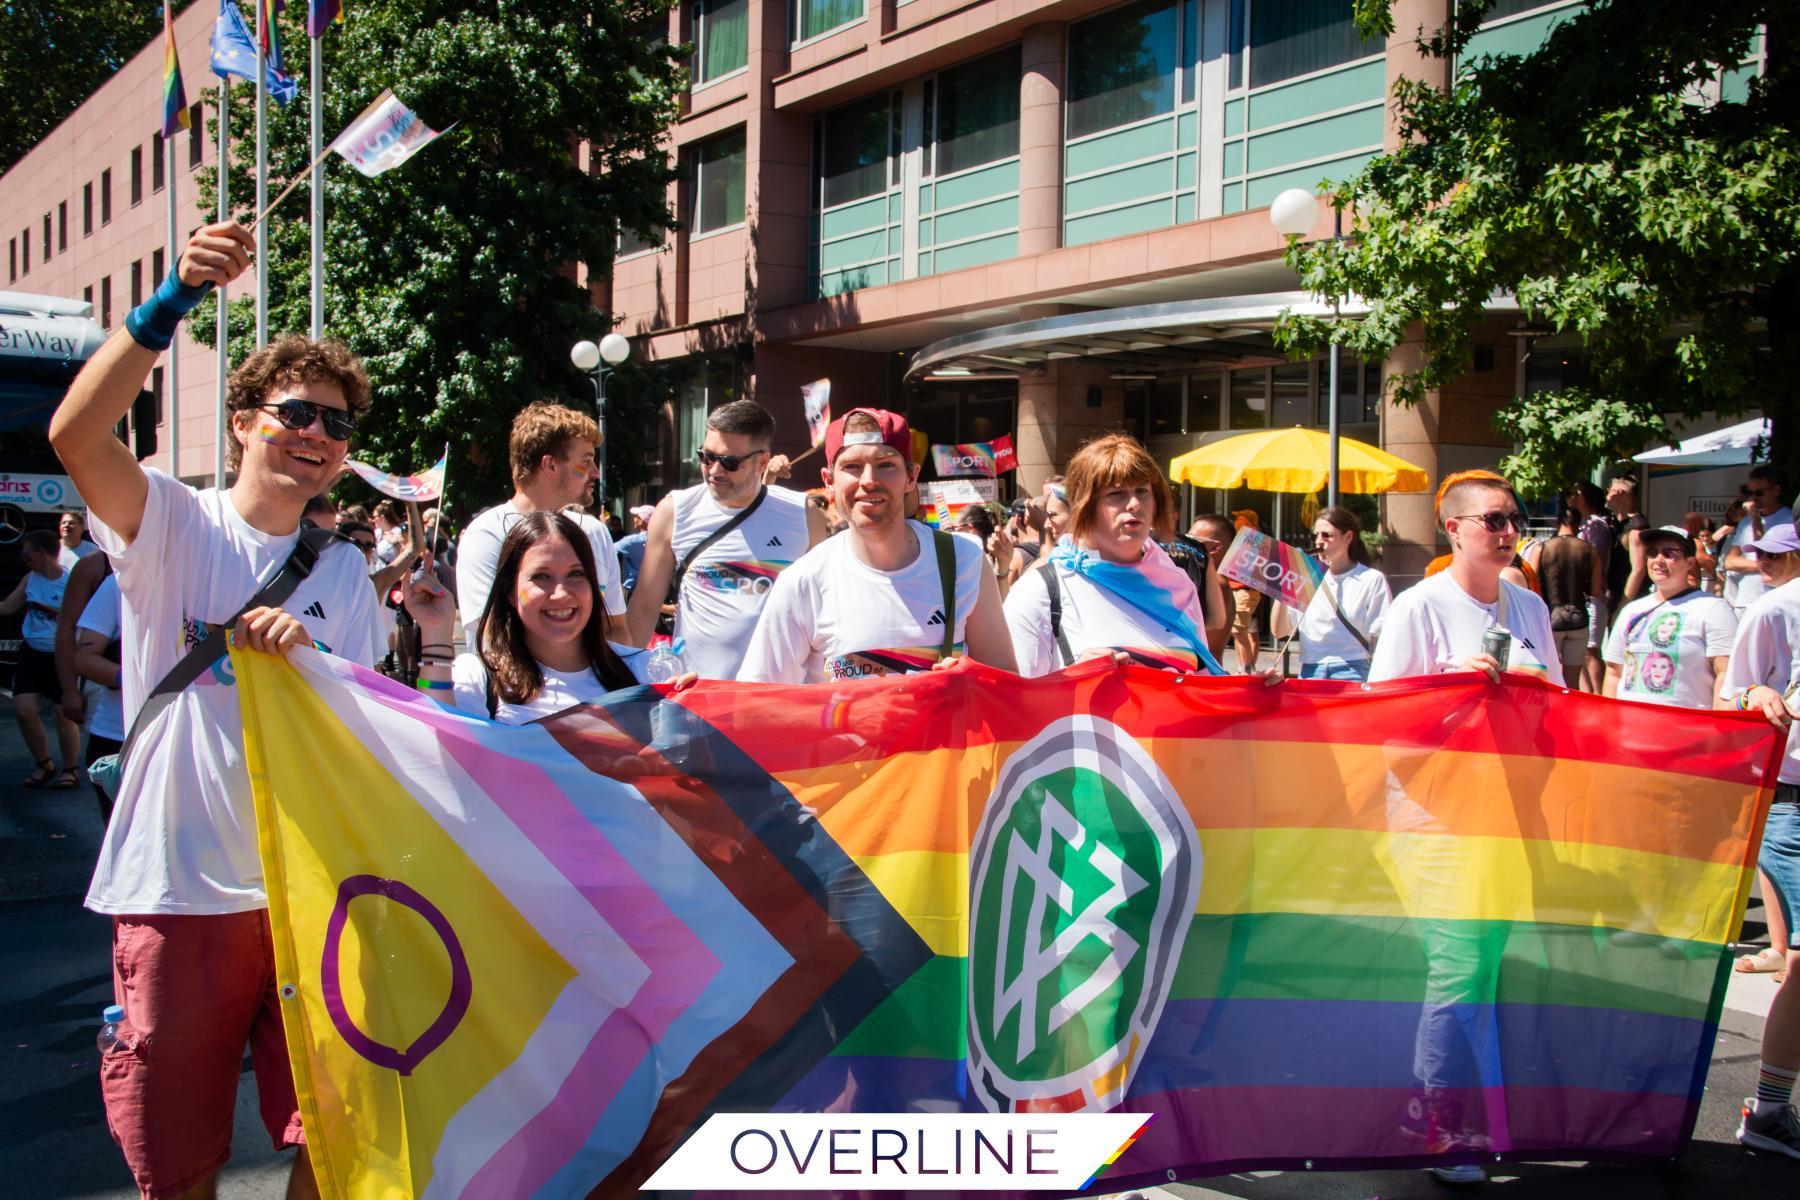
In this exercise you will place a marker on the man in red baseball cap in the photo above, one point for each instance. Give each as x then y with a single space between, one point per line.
890 596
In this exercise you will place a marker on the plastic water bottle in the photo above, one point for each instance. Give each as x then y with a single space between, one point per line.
665 665
112 1028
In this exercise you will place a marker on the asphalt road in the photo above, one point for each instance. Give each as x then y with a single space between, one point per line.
55 978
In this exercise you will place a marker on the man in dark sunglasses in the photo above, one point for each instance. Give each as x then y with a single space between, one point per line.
179 871
1765 512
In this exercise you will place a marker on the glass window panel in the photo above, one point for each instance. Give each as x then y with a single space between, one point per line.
1165 406
1371 393
820 16
1234 67
631 242
1293 394
1190 48
1205 412
856 151
156 162
721 37
719 182
1122 67
1137 411
1349 390
1512 8
986 413
1294 37
1249 398
978 112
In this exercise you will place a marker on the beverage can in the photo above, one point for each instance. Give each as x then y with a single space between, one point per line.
1497 644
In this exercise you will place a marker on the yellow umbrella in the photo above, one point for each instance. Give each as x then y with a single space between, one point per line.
1295 460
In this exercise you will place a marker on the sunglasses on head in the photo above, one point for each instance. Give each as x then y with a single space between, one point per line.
1499 522
300 414
731 462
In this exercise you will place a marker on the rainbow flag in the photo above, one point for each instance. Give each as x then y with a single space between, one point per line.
1422 922
321 13
175 104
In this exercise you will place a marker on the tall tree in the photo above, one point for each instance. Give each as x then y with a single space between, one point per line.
81 41
1627 184
453 276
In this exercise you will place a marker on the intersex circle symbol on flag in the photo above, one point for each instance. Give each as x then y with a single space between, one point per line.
1086 871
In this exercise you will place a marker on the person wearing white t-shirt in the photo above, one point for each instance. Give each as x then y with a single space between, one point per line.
1339 628
1764 513
731 559
553 450
69 527
544 648
871 601
40 595
179 870
1437 625
1670 647
1762 676
1108 588
98 658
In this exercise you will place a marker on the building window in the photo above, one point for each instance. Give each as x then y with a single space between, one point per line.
1234 48
1498 9
196 135
46 237
1291 386
137 283
977 117
1298 37
718 381
631 242
137 176
156 268
87 297
62 226
721 38
87 210
156 162
858 142
1250 398
12 259
25 245
106 302
1122 67
814 17
106 196
718 182
1359 392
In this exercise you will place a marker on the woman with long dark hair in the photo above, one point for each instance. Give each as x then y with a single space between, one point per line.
543 646
1339 628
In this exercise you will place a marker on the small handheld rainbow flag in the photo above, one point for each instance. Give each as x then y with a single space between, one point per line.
426 486
175 105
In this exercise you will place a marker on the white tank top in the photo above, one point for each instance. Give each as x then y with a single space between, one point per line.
724 590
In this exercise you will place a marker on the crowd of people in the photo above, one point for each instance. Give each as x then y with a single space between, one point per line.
535 608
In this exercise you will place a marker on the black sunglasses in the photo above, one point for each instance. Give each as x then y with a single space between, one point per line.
1498 522
731 462
300 414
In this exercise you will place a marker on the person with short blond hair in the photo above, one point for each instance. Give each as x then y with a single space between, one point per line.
553 454
1108 588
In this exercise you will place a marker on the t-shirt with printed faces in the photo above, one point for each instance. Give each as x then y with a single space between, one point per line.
1766 653
478 558
562 689
1664 648
1434 626
832 616
101 616
43 599
183 835
1093 618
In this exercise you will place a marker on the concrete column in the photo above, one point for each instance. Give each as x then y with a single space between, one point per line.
1055 418
1041 139
778 173
1406 60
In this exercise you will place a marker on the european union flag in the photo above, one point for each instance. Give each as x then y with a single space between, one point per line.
234 54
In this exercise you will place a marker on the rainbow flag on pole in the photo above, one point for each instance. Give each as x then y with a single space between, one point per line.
175 104
321 13
1422 922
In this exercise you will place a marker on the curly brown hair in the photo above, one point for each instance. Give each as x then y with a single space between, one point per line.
293 359
544 428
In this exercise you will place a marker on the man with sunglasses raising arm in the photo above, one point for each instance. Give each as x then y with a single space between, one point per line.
178 870
1438 624
720 545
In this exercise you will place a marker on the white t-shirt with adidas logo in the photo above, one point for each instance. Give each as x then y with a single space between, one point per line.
831 616
725 588
1434 626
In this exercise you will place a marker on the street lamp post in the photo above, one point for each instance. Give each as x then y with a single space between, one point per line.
598 361
1293 214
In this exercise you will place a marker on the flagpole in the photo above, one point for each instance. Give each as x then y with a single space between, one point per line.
262 177
174 392
318 189
223 331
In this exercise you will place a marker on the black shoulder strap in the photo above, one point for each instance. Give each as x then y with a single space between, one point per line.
687 559
299 565
1361 638
493 693
1053 585
946 564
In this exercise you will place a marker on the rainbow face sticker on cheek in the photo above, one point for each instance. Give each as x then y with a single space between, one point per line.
268 435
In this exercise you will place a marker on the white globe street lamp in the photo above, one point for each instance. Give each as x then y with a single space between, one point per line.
1293 214
612 350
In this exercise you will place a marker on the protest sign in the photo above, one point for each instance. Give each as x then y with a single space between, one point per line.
963 459
1272 567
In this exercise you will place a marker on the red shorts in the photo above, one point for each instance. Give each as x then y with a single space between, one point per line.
195 991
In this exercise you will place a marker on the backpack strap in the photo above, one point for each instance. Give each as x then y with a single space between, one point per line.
946 564
687 560
493 693
1053 585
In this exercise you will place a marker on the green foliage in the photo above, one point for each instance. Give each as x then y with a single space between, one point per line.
54 53
1600 181
453 276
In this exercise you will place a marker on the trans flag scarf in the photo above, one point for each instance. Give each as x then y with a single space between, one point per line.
1150 585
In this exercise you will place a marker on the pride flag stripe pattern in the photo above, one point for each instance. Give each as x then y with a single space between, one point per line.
175 113
1510 907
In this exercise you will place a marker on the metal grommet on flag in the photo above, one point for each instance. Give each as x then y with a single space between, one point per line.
288 991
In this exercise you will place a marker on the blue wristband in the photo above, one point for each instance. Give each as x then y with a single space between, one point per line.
152 324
